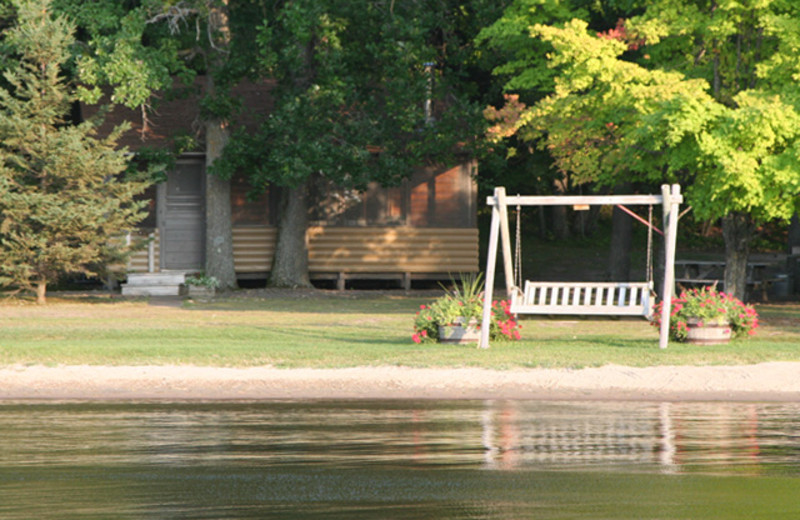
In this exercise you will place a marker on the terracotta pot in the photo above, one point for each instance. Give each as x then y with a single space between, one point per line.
707 333
458 333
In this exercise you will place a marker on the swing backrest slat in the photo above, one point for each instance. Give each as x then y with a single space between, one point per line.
584 298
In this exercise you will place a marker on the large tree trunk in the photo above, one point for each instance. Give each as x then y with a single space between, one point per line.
290 264
560 222
41 292
737 229
619 265
219 228
794 236
793 248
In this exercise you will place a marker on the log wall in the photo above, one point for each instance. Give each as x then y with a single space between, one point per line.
357 252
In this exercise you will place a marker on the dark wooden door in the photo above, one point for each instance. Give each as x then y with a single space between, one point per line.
182 217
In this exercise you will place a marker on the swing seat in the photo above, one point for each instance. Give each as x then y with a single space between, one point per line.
584 298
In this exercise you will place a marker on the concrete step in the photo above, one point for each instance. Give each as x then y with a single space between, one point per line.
151 290
164 278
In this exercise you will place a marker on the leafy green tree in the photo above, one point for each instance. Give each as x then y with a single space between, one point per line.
351 83
63 203
141 50
696 92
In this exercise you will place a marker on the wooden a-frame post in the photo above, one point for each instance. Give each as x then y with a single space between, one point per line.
670 199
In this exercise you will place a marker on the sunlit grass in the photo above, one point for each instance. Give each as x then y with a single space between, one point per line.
338 330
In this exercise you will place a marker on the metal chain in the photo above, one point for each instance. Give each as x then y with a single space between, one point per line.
518 250
649 266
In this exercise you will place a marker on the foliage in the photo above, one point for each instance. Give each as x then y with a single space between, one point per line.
681 93
464 304
708 305
350 88
702 94
63 201
202 280
129 46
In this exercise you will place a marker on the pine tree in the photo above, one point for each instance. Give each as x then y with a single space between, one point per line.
64 201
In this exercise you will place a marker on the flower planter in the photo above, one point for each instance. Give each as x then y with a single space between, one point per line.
711 333
200 292
458 333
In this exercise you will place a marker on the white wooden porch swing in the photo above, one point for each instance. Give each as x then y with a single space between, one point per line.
580 298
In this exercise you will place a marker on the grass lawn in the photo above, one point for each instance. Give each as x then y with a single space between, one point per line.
324 329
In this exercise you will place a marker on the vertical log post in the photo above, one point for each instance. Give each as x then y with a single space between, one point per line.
671 202
491 264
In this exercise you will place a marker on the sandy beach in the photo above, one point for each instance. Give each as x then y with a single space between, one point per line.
778 381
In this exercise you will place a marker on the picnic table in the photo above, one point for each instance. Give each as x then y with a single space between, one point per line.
693 273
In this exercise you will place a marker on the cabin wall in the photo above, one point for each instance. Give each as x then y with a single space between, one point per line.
353 252
424 228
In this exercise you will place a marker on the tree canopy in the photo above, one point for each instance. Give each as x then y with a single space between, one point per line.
697 92
64 206
351 85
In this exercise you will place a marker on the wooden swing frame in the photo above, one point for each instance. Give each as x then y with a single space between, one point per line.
624 298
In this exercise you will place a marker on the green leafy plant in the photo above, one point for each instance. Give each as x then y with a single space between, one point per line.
461 306
201 280
707 305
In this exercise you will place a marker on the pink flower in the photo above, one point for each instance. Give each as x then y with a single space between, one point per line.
416 338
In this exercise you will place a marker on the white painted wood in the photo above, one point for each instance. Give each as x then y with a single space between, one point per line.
672 198
571 200
491 264
609 299
602 298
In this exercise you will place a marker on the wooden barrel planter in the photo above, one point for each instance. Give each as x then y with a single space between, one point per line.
707 333
458 333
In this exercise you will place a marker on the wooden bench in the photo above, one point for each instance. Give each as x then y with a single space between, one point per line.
598 299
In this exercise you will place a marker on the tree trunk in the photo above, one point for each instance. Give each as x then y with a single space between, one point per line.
559 213
290 264
621 239
793 249
560 222
793 246
737 229
41 292
219 228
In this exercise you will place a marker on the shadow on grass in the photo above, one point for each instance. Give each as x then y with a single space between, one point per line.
391 306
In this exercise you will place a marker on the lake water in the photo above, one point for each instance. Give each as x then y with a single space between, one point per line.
402 459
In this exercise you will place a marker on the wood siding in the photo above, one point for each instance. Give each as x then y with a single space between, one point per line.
392 249
358 250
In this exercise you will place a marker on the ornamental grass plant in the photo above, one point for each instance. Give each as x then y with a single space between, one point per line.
463 305
706 305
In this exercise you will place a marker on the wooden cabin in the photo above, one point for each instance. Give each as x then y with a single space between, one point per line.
426 228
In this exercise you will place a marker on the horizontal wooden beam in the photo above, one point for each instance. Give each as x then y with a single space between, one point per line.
571 200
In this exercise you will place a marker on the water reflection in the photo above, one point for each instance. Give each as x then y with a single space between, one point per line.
498 435
453 459
668 437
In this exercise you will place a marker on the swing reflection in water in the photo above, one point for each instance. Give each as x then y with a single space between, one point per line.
585 298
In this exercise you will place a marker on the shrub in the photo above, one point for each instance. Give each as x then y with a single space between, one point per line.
461 306
707 305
